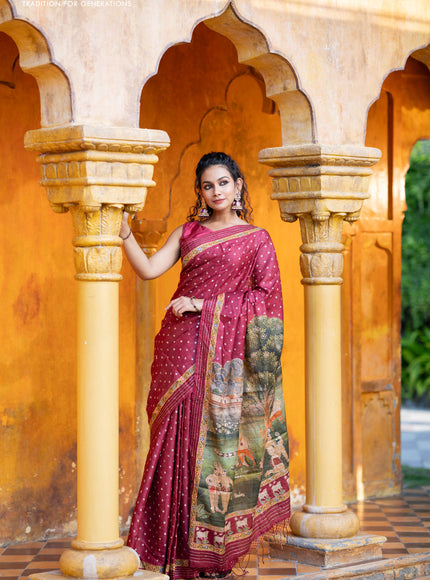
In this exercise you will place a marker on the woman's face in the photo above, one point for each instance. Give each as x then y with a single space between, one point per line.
218 188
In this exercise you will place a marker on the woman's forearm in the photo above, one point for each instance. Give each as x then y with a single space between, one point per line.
137 257
149 268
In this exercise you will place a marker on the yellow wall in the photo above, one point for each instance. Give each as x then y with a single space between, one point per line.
38 406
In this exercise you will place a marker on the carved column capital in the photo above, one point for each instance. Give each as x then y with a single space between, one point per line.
96 172
149 233
322 186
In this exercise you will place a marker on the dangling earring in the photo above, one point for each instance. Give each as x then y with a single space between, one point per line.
237 203
203 211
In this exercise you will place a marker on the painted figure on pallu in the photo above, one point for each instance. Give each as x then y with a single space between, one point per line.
216 476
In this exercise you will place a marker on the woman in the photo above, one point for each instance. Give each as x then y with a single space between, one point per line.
216 475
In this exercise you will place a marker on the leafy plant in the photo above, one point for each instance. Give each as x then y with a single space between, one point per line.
416 365
415 476
416 241
416 278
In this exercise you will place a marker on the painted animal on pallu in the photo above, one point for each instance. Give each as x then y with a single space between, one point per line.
242 524
202 537
278 489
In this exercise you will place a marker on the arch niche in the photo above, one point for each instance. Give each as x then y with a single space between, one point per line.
37 362
224 90
36 59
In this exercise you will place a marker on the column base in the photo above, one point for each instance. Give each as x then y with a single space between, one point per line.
139 575
99 561
325 553
330 526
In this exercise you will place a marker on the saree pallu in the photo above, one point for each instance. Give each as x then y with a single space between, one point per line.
216 475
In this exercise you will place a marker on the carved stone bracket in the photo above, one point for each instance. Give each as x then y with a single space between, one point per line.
96 172
322 186
149 233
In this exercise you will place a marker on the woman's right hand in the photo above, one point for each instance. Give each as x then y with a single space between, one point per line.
125 227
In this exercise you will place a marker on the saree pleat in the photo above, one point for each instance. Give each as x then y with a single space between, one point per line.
216 475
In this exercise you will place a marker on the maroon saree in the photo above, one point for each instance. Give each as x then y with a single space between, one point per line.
216 476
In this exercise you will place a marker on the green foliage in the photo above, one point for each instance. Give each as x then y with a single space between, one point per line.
416 364
416 278
415 476
416 241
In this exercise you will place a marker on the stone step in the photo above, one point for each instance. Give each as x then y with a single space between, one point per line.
404 568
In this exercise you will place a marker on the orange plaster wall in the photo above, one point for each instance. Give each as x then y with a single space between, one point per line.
37 337
206 101
37 401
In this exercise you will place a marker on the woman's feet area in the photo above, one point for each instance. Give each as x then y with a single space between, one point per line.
224 574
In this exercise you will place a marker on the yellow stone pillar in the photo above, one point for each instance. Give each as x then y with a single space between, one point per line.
96 172
323 186
148 234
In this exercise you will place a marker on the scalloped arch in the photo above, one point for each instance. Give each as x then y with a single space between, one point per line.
423 55
297 119
36 59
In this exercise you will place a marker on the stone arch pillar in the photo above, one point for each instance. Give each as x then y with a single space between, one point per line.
96 173
323 186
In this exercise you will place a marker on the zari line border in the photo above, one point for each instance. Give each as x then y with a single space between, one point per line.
205 415
170 392
192 253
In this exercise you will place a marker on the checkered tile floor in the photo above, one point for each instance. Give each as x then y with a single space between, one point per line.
404 520
21 560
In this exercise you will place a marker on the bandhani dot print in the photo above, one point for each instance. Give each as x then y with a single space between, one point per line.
216 475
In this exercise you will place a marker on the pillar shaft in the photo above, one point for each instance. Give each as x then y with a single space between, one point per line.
322 186
98 412
323 398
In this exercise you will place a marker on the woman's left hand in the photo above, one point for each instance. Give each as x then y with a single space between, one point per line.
185 304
